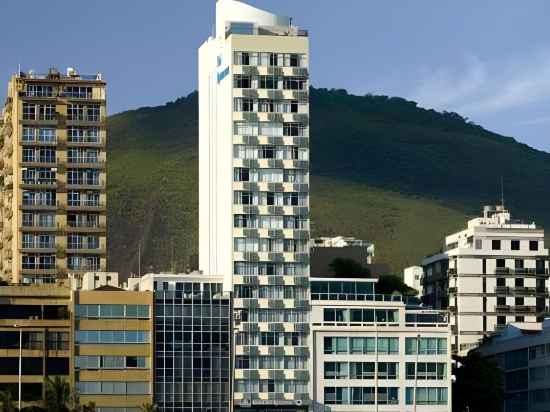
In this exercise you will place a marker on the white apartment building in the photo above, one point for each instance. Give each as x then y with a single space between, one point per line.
373 353
490 274
254 196
522 351
412 276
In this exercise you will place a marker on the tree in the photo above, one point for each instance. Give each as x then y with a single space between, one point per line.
479 385
58 395
7 401
148 407
389 284
343 267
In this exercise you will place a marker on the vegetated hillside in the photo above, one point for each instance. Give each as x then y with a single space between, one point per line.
382 168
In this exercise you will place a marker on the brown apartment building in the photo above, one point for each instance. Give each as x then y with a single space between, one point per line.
53 201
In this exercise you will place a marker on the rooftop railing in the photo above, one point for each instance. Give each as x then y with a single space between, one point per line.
357 297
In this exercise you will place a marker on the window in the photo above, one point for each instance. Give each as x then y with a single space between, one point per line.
111 336
242 81
495 244
519 301
388 345
518 282
77 92
478 244
46 112
364 345
426 370
112 388
336 370
533 245
514 245
425 346
361 370
426 396
58 340
29 111
294 83
335 345
336 396
501 320
388 370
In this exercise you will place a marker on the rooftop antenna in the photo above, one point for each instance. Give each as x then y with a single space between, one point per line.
502 191
139 259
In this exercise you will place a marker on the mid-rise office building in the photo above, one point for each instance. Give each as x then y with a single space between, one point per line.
35 333
53 165
522 351
193 337
372 352
492 273
113 348
254 195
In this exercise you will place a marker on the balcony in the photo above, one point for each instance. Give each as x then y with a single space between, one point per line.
37 247
87 268
85 120
521 271
85 250
36 228
87 141
524 309
86 227
85 184
38 204
39 142
86 205
39 161
41 120
86 163
502 308
39 184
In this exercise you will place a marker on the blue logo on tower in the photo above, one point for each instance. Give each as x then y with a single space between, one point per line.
222 74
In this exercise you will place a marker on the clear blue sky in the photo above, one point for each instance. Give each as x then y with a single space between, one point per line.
488 60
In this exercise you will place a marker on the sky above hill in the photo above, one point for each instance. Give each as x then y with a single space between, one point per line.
487 60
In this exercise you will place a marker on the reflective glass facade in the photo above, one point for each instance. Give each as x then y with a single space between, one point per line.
192 347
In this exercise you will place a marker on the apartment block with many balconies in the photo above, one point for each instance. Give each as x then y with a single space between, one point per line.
254 195
373 352
490 274
53 165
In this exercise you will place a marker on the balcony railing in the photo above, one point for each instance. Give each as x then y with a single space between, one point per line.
520 271
39 202
524 309
39 245
86 118
86 225
519 290
84 203
84 139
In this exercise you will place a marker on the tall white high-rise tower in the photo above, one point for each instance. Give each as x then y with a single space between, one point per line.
254 196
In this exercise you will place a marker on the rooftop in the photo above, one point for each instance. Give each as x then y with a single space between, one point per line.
235 17
54 74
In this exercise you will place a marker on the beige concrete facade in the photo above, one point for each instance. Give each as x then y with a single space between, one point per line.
110 372
53 205
40 317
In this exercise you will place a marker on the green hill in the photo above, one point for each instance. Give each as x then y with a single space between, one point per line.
382 169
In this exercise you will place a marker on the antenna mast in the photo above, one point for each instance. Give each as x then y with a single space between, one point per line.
502 191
